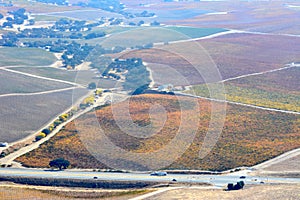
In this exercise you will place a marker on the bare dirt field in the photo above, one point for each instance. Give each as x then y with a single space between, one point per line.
289 165
266 192
12 56
17 83
285 165
238 54
233 55
80 77
23 115
10 191
262 16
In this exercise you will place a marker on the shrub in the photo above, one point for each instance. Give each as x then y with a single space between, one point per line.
46 131
63 117
230 186
239 185
40 136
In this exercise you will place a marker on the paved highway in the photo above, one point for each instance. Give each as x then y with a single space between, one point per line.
216 180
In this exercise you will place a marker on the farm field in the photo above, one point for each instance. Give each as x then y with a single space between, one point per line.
267 192
278 90
37 7
17 83
233 55
131 37
19 192
193 32
249 136
287 166
46 18
24 115
263 16
86 14
10 56
81 77
112 29
239 54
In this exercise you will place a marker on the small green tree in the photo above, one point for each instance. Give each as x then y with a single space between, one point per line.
46 131
59 163
40 136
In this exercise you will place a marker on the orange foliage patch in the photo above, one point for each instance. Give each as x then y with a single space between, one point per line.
249 136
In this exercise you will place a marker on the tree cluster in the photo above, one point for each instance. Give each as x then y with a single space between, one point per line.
144 14
136 77
56 2
59 29
239 185
18 17
121 65
64 25
109 5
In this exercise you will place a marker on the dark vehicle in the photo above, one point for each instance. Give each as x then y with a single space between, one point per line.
239 185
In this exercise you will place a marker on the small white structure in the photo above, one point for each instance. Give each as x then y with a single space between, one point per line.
3 144
158 173
166 88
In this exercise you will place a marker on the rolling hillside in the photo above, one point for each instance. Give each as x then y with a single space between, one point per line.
249 136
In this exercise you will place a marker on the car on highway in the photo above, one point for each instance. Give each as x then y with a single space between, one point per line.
158 173
3 144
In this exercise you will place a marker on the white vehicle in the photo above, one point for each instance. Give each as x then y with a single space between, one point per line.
3 144
158 174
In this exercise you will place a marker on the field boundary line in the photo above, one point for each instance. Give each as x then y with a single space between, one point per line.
271 34
241 104
289 66
214 35
41 77
37 93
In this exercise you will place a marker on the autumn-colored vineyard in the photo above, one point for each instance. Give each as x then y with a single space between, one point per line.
278 90
233 55
249 136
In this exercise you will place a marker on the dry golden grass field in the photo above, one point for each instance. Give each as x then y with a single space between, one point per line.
266 192
23 192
